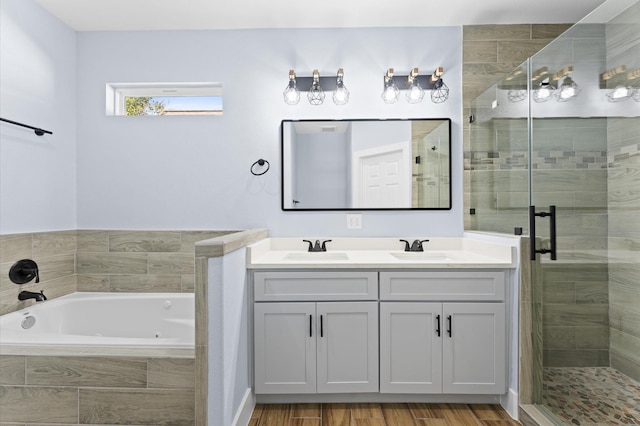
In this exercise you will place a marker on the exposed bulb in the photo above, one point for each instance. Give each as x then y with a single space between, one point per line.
568 91
291 94
543 92
620 93
341 94
415 94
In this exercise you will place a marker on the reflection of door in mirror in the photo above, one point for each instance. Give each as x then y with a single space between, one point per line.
430 170
381 177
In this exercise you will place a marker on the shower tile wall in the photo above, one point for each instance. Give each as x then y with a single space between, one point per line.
623 47
490 52
624 244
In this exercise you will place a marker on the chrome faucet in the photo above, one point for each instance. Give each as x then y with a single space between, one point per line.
415 246
317 247
25 295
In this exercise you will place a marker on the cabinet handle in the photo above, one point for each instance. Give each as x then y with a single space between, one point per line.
321 328
449 325
438 325
310 325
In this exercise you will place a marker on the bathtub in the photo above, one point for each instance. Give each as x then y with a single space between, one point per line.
117 323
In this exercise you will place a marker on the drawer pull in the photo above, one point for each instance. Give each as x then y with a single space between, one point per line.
310 325
449 325
438 325
321 328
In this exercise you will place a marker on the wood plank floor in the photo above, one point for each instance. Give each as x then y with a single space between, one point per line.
380 415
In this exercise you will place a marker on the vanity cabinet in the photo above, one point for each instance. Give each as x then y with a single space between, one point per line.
304 344
431 345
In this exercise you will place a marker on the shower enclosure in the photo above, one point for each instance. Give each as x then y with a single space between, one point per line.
555 148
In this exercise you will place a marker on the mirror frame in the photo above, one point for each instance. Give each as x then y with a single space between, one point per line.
282 166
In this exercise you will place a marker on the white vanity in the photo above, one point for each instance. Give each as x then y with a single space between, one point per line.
368 321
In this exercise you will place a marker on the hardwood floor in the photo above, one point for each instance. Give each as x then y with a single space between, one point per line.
380 415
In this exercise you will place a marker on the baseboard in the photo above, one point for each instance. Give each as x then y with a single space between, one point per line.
509 402
243 415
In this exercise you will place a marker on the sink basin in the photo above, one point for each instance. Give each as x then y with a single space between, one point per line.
423 256
324 255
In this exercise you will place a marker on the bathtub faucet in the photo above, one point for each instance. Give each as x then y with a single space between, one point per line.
25 295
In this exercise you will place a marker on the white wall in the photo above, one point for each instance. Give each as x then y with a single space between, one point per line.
37 87
193 172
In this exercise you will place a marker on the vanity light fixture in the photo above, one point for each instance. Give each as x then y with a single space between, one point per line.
316 88
544 91
568 91
391 93
620 93
415 85
440 92
341 94
291 93
316 94
415 94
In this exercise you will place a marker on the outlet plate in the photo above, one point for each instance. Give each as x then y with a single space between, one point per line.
354 221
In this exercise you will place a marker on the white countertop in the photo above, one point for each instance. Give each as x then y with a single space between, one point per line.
378 253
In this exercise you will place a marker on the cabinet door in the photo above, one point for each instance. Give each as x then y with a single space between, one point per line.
410 347
347 347
474 348
285 347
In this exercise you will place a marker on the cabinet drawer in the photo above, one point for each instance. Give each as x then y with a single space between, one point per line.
443 286
315 286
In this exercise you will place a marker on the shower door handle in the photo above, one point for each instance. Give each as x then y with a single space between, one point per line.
552 232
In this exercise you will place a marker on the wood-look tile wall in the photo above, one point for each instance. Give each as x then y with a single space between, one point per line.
54 252
138 261
115 261
623 134
490 52
96 390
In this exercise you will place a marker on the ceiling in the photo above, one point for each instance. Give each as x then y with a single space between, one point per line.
122 15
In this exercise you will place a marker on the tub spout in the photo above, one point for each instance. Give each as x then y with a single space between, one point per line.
25 295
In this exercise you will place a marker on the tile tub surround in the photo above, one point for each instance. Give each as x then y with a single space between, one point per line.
54 252
71 390
206 250
86 260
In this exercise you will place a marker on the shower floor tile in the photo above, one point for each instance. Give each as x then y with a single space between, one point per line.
588 396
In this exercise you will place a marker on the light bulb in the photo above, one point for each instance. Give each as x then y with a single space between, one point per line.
544 91
415 94
568 91
619 94
291 94
341 94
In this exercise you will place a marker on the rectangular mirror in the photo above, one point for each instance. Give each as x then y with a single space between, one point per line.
366 164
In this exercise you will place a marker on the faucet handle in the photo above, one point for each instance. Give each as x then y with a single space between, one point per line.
406 245
417 245
324 245
310 245
42 295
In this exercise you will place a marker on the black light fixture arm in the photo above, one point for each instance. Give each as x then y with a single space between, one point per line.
38 131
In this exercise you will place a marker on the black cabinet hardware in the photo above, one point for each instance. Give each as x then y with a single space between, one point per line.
438 325
449 325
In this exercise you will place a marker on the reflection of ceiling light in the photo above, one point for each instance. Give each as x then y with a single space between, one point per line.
544 91
620 93
415 94
391 93
341 94
316 94
291 93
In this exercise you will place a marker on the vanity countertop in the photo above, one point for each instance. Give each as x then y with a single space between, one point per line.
378 253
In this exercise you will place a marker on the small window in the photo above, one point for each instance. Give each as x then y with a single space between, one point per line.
164 99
